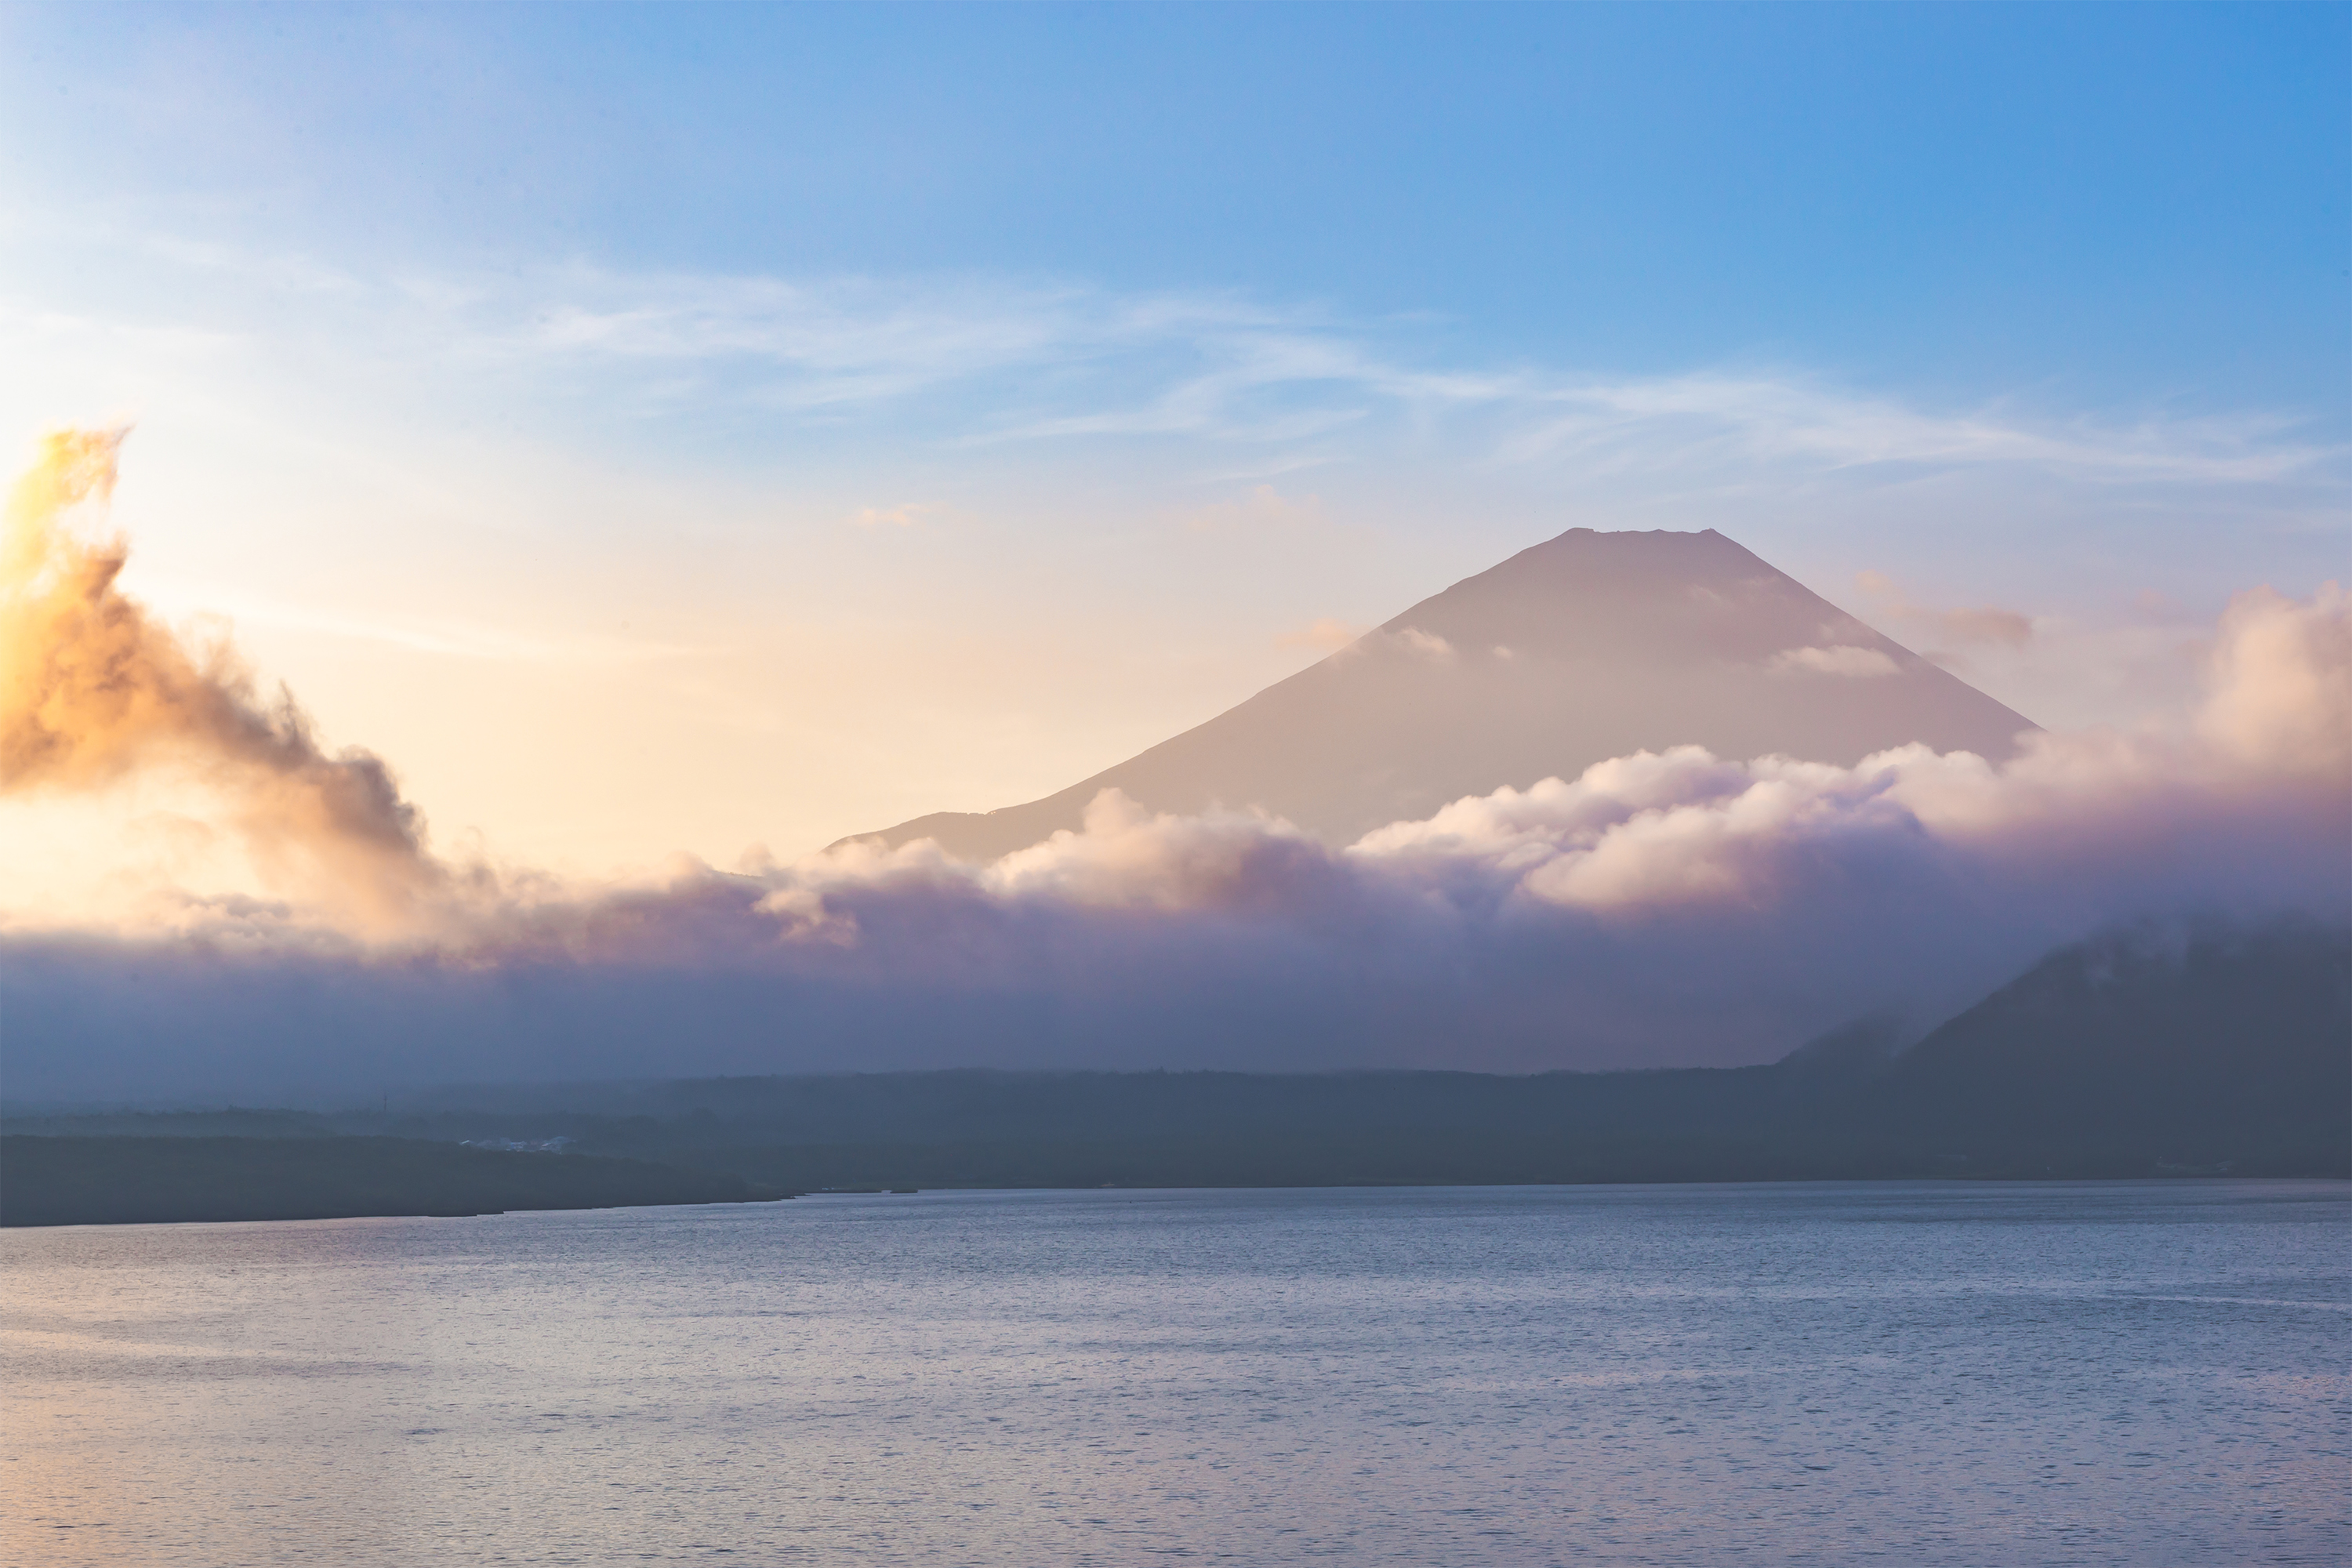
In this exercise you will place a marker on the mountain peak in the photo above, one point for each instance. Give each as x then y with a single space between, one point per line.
1586 647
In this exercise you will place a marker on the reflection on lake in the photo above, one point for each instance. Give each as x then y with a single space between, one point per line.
2130 1373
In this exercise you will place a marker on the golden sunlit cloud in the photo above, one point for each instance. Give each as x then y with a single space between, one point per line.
93 690
1325 636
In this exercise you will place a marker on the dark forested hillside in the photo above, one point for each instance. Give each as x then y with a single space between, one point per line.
2223 1047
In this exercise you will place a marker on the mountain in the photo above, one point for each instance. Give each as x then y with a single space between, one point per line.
2221 1048
1587 646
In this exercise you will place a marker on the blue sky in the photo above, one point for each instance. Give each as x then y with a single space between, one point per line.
883 408
2111 203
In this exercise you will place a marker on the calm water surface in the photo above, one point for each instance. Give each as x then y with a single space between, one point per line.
2132 1373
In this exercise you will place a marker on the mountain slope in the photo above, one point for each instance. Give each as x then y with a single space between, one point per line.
2231 1046
1587 646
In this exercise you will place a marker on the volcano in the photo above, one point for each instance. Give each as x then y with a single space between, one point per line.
1587 646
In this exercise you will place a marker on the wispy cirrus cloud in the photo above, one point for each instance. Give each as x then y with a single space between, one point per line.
437 636
1790 419
1225 368
998 359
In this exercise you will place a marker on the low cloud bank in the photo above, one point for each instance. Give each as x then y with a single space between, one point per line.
1670 908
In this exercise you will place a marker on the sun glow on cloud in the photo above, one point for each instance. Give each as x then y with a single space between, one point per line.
94 693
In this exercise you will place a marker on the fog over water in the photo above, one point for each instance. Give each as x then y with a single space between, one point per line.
2126 1373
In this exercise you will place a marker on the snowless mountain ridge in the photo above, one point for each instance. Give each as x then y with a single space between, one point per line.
1587 646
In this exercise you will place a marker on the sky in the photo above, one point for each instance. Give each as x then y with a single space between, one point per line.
664 431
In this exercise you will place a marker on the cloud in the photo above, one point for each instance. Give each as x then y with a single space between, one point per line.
441 637
1781 420
92 691
1984 624
1009 359
1324 634
904 515
1411 642
1842 658
841 341
1262 507
1226 367
2280 684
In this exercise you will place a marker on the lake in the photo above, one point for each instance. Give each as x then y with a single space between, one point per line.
2129 1373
